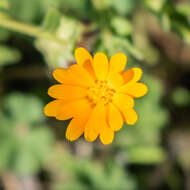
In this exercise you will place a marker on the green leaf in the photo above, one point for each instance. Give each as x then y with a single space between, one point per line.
33 151
24 145
6 148
27 10
121 25
155 5
165 22
27 109
101 4
61 54
112 44
4 4
25 162
148 155
183 8
124 7
172 18
181 97
8 55
147 131
135 52
185 33
88 174
78 8
142 41
4 34
52 20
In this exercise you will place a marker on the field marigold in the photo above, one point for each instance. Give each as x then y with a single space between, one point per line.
96 94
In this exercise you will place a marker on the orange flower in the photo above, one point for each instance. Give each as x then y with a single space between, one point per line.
96 94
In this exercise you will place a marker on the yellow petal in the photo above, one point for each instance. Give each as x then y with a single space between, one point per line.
80 75
120 99
90 133
88 66
115 80
74 109
129 114
84 59
100 65
134 89
61 75
128 75
117 63
82 55
106 135
52 107
132 75
66 92
65 77
95 123
76 127
115 119
72 75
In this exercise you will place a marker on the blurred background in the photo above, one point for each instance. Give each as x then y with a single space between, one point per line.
37 36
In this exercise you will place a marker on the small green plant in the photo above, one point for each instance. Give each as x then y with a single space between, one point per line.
25 141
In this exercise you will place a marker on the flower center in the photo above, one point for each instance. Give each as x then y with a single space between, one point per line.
100 92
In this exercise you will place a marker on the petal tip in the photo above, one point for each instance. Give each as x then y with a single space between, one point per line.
69 138
100 54
45 110
144 91
79 49
88 139
50 109
106 143
49 92
81 55
122 56
132 121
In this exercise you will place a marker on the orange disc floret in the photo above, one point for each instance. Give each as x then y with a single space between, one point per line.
96 94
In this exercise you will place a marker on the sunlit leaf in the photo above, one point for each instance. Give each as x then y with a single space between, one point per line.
122 26
124 7
52 20
155 5
4 4
183 8
101 4
8 55
59 52
148 155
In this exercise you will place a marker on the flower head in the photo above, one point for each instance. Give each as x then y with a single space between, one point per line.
96 94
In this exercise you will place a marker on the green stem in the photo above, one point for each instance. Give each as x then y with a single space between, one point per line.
27 29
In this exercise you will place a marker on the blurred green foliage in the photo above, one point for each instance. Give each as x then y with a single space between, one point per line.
40 35
8 55
181 97
67 30
172 17
144 138
28 11
84 175
24 142
4 4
